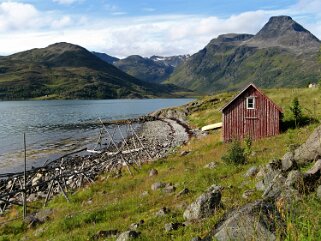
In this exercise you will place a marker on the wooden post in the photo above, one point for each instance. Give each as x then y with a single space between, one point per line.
24 177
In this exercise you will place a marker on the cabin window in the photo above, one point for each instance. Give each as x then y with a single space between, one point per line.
250 102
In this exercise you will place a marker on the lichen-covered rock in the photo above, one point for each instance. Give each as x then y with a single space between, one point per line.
254 221
295 180
205 205
308 151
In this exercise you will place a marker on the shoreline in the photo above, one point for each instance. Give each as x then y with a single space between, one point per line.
158 137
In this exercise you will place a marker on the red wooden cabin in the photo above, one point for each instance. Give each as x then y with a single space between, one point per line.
251 114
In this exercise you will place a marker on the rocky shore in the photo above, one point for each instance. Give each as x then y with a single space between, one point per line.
155 139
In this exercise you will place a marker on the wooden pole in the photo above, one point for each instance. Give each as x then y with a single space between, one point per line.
24 177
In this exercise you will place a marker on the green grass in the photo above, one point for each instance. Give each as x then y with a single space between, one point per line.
117 202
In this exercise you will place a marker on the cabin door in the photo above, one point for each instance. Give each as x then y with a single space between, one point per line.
250 127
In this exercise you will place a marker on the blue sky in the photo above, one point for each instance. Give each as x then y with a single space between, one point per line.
144 27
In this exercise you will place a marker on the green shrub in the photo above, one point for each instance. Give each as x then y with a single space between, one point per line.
236 154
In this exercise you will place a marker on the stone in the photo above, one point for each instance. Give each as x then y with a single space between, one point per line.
254 221
153 172
172 226
183 192
267 179
135 226
295 180
32 197
128 235
184 153
37 179
210 165
247 194
251 172
169 188
274 185
313 175
162 212
158 185
196 239
318 191
205 205
31 221
44 215
308 151
288 164
144 194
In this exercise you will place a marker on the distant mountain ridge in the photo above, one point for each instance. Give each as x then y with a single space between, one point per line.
281 54
68 71
155 69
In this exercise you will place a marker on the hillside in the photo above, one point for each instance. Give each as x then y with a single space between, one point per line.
69 71
281 54
144 68
105 57
117 203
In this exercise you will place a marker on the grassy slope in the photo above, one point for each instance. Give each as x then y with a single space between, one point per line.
116 203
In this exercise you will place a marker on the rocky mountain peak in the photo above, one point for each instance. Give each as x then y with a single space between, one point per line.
283 31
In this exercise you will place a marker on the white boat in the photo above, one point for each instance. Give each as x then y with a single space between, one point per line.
212 126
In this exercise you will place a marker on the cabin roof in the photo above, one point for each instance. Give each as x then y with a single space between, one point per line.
244 90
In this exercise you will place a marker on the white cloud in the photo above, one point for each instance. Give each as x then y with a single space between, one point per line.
15 16
122 35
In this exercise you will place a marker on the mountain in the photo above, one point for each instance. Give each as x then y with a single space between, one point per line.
171 60
145 69
64 70
283 32
281 54
105 57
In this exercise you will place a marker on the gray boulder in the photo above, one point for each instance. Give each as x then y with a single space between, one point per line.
196 239
128 235
312 176
153 172
308 151
205 205
254 221
157 185
251 172
162 212
210 165
172 226
295 180
169 188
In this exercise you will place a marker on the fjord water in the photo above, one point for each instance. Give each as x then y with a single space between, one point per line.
57 126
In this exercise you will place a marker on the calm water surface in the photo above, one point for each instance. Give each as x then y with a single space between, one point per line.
58 126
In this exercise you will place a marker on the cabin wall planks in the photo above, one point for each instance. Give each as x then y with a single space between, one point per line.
239 122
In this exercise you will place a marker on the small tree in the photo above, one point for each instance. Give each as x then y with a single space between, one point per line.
235 155
296 111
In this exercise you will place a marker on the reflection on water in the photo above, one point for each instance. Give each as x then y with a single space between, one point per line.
58 126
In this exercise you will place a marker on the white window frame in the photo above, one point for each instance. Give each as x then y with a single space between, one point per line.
247 102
